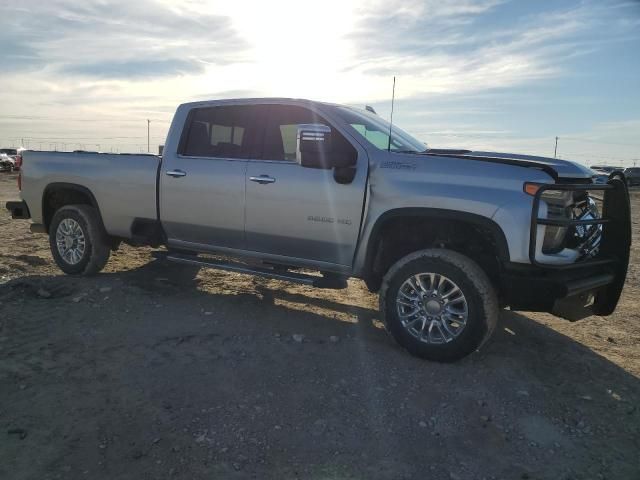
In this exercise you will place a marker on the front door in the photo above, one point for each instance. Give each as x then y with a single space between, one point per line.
202 188
301 212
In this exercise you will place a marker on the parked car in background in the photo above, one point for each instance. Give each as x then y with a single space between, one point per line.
14 156
7 164
599 177
632 174
607 171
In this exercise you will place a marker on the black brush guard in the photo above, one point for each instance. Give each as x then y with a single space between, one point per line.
602 276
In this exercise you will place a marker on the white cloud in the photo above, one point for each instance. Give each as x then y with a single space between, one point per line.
97 70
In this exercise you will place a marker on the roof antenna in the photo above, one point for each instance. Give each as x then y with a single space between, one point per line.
393 97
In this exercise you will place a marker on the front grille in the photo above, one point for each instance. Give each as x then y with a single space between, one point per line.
594 235
586 238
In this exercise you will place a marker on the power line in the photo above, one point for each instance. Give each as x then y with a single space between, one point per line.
601 141
513 137
80 119
81 138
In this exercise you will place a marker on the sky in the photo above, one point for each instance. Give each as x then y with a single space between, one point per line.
493 75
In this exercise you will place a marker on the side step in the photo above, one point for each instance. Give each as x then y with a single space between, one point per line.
334 282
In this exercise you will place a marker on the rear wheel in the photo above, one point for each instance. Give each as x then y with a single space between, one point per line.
78 242
438 304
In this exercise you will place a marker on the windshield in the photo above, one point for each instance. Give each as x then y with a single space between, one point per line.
375 130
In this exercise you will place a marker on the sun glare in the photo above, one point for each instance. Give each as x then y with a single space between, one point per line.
295 49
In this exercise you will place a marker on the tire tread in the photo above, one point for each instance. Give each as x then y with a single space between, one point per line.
475 275
98 239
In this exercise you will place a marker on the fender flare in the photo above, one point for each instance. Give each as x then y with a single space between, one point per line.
490 225
69 186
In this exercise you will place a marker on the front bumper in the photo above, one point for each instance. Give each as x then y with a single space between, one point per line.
591 286
571 295
19 210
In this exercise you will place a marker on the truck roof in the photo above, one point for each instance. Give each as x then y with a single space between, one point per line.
256 100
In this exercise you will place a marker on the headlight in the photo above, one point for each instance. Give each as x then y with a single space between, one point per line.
557 209
569 205
559 204
554 239
585 238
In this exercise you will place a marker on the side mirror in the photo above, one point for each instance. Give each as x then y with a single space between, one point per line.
314 146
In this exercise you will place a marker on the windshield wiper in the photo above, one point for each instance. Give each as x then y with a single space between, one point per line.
408 151
447 151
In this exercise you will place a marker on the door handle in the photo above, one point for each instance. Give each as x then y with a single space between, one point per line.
176 173
263 179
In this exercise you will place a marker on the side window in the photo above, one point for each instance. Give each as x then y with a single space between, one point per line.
223 132
378 138
282 129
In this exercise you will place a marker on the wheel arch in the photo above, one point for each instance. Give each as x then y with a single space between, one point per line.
495 232
59 194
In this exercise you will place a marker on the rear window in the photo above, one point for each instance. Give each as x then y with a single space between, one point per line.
222 132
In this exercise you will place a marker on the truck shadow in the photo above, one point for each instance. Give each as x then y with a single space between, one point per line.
216 356
525 342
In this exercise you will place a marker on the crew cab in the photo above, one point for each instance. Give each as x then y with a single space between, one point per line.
317 193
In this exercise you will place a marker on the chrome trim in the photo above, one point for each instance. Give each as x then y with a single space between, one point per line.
70 241
176 173
263 179
268 257
432 308
588 236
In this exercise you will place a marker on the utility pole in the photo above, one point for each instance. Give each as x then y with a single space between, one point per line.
148 137
555 150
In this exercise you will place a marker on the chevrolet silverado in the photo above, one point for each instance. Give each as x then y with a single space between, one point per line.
317 193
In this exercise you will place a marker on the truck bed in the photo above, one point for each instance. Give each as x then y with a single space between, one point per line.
123 185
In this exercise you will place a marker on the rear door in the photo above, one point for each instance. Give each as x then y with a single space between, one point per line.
203 186
301 212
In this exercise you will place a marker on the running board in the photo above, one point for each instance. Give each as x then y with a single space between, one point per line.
332 282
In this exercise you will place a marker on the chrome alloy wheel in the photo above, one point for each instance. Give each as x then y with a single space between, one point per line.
70 241
432 308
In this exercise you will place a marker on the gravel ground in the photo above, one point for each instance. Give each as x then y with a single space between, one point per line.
154 370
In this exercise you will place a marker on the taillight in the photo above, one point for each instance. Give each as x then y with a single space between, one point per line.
19 167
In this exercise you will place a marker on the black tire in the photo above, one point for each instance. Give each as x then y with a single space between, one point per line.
97 248
482 303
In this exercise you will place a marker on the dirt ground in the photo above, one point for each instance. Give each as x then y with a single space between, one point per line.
154 370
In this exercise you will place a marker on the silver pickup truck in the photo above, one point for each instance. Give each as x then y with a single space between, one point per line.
316 193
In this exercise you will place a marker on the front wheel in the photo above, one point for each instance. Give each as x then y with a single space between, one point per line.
78 242
438 304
